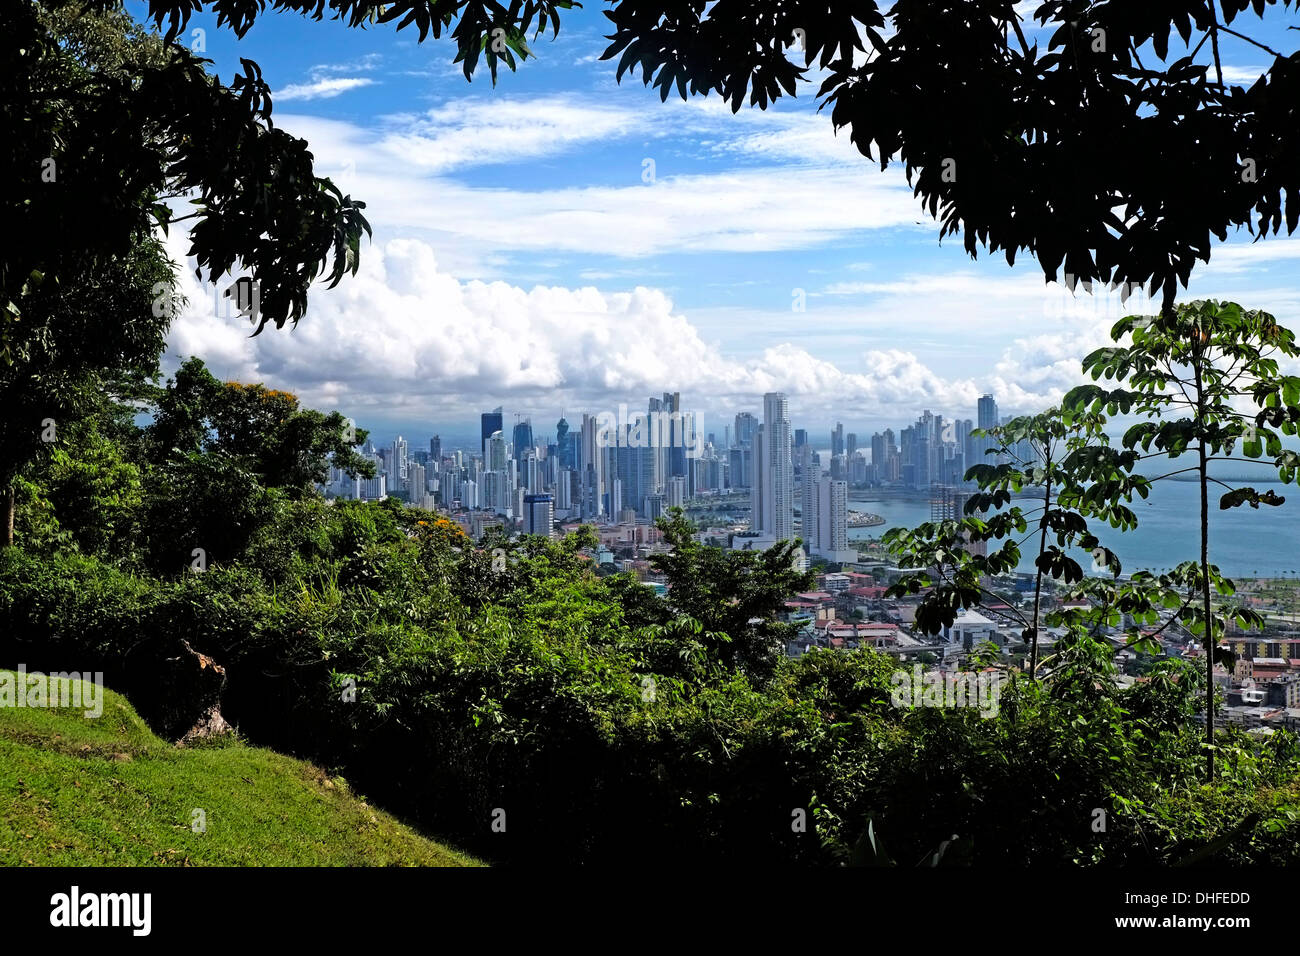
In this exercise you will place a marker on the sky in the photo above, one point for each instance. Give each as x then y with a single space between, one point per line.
561 243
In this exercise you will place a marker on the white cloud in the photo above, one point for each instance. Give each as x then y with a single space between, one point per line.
405 339
324 88
410 173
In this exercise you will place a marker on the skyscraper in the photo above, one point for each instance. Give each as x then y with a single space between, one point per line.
746 428
400 453
986 416
494 452
563 445
832 537
491 423
591 469
837 440
539 515
523 438
774 470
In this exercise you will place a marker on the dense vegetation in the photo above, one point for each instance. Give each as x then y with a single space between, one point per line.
583 714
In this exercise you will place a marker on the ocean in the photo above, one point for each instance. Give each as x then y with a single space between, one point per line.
1244 542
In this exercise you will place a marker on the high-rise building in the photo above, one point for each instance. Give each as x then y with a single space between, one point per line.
563 444
774 470
591 470
677 491
523 438
435 451
832 538
808 507
837 440
400 454
490 424
977 448
415 483
746 429
741 467
494 457
539 515
851 445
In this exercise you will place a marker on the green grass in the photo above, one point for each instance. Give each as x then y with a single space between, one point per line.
78 791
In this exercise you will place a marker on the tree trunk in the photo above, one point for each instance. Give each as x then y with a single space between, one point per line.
1038 584
10 504
1203 476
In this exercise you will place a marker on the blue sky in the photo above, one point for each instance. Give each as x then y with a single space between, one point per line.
525 257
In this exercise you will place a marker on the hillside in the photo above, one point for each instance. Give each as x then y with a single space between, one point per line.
107 792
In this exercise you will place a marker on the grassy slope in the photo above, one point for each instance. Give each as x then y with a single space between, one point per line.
85 792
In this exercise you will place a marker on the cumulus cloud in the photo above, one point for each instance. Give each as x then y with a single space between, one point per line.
405 338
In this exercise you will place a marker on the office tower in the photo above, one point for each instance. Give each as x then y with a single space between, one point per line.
803 462
494 458
564 448
986 416
539 515
741 467
591 469
878 455
523 438
774 470
837 440
491 424
564 489
746 429
531 470
435 451
800 438
857 469
494 493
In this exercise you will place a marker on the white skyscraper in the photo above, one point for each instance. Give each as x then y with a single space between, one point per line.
774 470
400 452
832 536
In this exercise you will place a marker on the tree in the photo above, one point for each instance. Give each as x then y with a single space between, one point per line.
220 456
1068 466
106 125
76 343
734 596
264 429
1205 360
